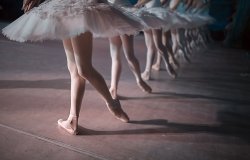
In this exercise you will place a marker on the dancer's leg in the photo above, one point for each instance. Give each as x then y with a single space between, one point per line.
177 45
150 54
157 65
83 59
128 48
170 51
174 40
115 48
77 90
157 37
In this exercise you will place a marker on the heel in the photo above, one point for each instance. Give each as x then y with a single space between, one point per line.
70 125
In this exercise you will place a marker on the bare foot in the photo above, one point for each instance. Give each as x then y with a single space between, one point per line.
69 125
116 109
144 86
145 75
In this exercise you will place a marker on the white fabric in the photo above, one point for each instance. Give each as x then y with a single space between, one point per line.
153 3
125 3
60 19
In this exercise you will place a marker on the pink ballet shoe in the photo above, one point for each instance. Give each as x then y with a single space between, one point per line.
68 125
156 67
117 111
145 75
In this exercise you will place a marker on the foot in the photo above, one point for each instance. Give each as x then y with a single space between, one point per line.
69 125
145 75
184 55
113 93
117 111
144 86
156 66
174 62
186 58
170 69
171 72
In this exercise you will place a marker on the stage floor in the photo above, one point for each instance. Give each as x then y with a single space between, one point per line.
204 114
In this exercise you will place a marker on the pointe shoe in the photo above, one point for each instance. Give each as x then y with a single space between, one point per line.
170 70
67 126
117 111
144 86
145 75
156 67
174 62
113 93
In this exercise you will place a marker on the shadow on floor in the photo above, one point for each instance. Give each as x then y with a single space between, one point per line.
172 95
63 84
169 128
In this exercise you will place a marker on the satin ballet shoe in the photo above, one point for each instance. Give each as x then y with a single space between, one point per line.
170 70
117 111
67 126
145 76
144 86
156 67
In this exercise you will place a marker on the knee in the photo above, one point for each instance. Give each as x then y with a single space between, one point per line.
130 58
72 69
85 72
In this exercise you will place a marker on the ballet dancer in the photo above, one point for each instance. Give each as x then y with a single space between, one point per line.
127 43
171 34
153 40
75 22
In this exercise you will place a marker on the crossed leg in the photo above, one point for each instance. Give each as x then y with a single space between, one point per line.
79 61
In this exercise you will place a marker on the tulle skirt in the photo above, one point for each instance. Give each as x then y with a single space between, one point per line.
60 19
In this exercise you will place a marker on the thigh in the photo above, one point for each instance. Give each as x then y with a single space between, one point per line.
128 45
157 36
68 50
115 48
82 47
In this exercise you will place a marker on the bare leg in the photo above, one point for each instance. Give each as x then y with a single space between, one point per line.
177 47
172 58
83 58
115 48
81 69
157 65
174 40
128 48
157 37
77 90
150 54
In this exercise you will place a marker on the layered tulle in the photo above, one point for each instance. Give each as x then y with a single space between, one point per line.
60 19
153 16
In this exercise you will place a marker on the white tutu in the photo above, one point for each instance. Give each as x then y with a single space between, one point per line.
189 19
161 18
60 19
152 15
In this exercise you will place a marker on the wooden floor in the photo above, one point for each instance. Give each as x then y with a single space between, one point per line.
204 114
